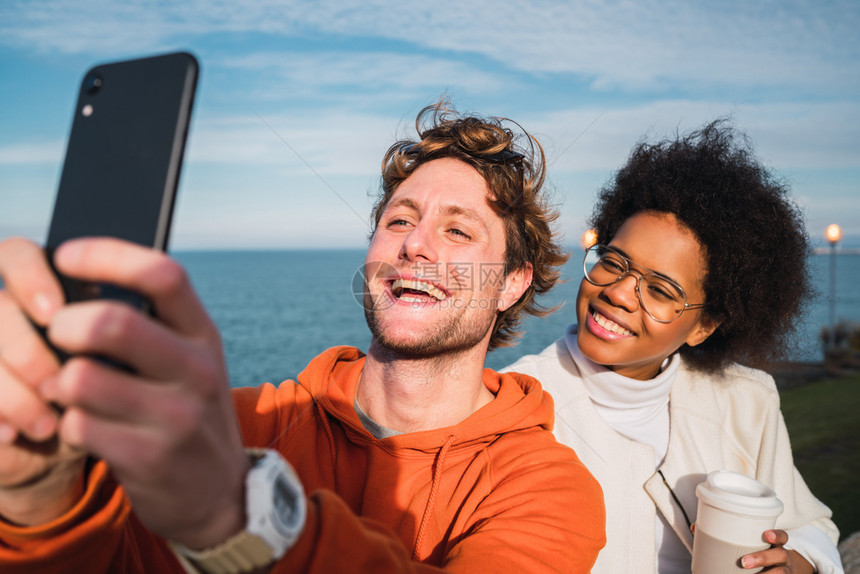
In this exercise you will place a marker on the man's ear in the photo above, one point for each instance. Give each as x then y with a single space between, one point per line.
515 284
703 329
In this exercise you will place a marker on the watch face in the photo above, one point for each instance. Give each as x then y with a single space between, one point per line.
285 501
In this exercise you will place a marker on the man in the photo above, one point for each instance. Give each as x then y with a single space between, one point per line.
412 458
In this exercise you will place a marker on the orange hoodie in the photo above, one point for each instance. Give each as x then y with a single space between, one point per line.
494 493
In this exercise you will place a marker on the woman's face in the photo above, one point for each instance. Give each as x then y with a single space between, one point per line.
614 329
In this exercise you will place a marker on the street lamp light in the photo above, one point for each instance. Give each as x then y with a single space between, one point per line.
588 239
833 234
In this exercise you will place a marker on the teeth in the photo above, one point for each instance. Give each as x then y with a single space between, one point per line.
400 284
610 326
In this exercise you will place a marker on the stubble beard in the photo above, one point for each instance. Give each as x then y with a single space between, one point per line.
452 337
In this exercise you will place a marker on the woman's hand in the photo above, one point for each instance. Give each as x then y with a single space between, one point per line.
777 559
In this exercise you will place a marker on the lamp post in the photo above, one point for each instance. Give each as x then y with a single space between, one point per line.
833 234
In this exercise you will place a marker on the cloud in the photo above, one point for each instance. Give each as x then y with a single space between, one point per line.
785 135
50 152
331 143
268 228
70 27
303 95
374 71
809 46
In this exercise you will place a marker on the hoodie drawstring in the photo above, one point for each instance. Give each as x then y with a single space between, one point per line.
431 500
332 450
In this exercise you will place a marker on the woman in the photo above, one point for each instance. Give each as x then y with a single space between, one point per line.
700 268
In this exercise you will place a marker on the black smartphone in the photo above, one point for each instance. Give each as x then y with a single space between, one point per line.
123 159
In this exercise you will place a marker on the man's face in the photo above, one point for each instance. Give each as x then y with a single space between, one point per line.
435 275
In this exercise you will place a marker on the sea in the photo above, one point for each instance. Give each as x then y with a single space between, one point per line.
276 310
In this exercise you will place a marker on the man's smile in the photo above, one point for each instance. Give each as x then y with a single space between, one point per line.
416 291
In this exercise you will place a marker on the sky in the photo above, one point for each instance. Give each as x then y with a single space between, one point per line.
298 100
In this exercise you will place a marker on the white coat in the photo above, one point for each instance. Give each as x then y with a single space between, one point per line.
727 422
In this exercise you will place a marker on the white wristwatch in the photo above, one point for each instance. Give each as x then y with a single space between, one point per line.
276 508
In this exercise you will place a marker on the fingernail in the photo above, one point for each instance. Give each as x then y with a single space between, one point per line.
747 562
7 433
43 427
46 306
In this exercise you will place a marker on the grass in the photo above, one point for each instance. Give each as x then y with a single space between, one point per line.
824 425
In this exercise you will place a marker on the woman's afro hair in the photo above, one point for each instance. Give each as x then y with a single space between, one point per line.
753 235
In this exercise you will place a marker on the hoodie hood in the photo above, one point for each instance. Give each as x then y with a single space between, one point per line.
519 404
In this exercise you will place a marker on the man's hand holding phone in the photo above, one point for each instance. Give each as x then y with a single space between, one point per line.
40 476
167 430
165 425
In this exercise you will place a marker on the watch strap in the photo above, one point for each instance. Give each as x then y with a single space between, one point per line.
242 553
266 537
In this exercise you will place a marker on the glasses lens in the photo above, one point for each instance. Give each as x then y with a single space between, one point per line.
663 299
603 266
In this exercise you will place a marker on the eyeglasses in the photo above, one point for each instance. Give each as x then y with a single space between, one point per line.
663 299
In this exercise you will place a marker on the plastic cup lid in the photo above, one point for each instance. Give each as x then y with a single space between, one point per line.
735 492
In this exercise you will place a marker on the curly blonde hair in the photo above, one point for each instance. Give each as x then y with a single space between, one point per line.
515 177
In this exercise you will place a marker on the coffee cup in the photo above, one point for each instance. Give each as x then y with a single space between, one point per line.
733 512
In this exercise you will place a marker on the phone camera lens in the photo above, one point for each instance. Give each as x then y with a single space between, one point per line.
93 83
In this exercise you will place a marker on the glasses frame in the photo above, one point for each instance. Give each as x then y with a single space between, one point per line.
639 275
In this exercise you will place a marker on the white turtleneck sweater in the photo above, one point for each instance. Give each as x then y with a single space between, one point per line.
638 410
